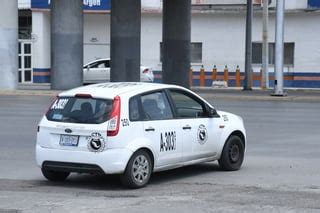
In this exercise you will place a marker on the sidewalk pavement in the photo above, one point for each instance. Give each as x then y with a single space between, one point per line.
312 95
292 94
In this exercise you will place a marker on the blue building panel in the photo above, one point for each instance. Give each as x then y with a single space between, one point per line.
39 4
314 4
99 5
41 75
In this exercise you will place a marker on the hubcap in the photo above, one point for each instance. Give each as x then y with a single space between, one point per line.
140 169
234 153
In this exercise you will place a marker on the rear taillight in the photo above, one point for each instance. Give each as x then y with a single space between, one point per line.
114 121
145 71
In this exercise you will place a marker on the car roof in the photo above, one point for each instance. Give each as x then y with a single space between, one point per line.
96 60
111 90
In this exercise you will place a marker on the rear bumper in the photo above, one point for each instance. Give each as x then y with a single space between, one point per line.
111 161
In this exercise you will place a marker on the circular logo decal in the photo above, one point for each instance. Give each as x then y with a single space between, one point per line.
96 142
202 134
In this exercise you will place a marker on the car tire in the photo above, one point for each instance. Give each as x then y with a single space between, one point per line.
232 154
138 170
54 175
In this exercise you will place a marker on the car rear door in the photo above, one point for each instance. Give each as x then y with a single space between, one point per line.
161 129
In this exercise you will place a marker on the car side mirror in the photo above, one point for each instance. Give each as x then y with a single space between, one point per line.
212 113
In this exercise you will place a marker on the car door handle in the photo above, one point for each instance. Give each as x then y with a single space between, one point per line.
150 129
186 127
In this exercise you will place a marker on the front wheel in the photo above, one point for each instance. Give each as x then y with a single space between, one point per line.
138 171
54 175
232 154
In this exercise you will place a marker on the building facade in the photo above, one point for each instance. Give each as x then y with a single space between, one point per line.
217 35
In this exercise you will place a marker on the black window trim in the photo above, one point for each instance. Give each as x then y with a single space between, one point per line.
205 106
271 46
166 91
141 114
141 111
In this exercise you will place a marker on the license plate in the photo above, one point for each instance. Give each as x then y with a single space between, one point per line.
69 140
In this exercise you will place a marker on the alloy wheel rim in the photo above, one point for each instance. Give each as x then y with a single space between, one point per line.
140 169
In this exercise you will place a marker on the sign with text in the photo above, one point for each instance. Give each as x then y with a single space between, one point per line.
87 4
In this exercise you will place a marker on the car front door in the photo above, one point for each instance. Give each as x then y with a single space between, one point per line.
161 129
98 71
200 132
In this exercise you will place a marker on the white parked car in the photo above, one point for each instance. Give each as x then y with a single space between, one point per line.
134 129
98 71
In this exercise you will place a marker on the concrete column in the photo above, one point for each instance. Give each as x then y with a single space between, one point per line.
9 44
265 45
66 44
248 56
125 40
176 42
278 82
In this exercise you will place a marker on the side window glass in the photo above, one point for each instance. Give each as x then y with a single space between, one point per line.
186 107
156 106
134 112
101 64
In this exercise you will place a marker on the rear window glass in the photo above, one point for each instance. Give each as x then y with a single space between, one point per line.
80 110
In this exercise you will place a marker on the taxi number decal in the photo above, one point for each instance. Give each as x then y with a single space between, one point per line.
168 141
125 122
59 104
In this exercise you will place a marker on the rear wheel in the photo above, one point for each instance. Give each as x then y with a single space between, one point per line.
138 171
232 154
54 175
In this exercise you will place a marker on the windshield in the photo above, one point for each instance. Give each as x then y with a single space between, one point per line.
80 110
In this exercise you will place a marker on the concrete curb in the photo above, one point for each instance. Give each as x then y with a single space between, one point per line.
29 92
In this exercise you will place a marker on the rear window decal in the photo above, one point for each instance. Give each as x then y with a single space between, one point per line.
57 116
59 104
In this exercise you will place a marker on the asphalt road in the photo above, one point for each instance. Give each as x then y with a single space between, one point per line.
281 171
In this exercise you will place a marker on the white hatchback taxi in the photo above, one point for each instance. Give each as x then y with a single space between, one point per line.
134 129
